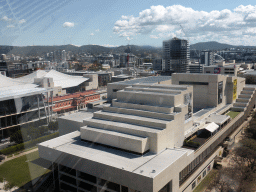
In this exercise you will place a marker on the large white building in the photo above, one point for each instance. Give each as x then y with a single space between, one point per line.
60 83
149 139
21 104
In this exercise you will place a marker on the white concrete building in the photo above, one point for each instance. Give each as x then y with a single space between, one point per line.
148 140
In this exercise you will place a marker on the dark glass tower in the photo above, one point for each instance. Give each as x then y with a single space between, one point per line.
176 55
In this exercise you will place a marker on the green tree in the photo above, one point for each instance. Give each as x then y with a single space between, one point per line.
245 155
16 137
223 180
250 131
53 126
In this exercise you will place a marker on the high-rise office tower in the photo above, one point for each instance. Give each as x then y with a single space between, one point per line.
176 55
63 56
206 58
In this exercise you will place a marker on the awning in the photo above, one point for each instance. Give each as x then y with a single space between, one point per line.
211 127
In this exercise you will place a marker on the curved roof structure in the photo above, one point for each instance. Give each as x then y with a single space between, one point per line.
30 78
59 79
9 82
12 88
64 80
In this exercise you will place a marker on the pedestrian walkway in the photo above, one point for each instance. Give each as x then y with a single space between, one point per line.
19 155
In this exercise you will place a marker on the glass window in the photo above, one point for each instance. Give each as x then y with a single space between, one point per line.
124 189
87 177
204 173
193 185
166 188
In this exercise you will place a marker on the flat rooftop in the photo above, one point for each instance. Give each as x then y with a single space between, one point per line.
143 165
216 118
79 116
148 80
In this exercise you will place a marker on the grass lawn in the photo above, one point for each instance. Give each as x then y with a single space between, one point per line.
205 182
20 171
233 114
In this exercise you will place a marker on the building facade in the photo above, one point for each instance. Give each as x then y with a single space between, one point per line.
176 55
140 142
223 68
206 58
75 101
22 104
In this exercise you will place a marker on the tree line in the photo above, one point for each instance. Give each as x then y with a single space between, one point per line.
240 175
33 131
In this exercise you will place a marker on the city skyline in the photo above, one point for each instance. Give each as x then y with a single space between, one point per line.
116 23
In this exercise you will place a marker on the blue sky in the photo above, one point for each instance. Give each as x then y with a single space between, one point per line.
119 22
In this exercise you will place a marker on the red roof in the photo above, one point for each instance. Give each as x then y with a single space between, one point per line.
73 95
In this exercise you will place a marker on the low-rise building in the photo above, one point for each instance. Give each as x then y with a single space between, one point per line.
61 83
74 101
222 68
195 68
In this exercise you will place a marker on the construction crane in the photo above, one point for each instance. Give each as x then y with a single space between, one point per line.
184 33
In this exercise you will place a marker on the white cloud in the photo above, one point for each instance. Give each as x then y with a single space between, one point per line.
10 26
165 22
129 38
22 21
68 24
154 37
92 34
97 30
5 18
107 45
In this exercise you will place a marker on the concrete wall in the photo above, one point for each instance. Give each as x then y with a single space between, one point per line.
47 82
120 176
113 88
187 186
92 83
67 126
148 98
207 95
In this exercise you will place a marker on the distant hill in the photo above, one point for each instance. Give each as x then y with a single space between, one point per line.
97 49
213 45
94 49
